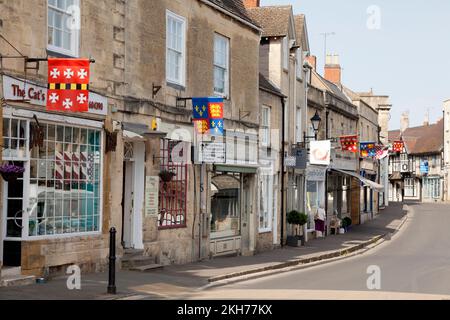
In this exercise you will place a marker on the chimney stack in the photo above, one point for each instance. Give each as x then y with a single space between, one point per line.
251 3
426 121
404 122
333 69
312 60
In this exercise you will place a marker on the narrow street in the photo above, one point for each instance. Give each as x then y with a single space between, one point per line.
415 261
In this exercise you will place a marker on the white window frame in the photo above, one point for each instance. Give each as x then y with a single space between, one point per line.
26 116
298 125
267 183
75 41
285 53
299 63
265 126
181 81
226 67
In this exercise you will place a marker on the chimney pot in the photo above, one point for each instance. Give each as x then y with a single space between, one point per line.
333 70
252 3
404 122
312 61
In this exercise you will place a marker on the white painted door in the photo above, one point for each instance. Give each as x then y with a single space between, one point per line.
128 204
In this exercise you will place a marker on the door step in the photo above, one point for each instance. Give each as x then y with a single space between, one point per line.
10 271
17 280
134 261
133 252
147 268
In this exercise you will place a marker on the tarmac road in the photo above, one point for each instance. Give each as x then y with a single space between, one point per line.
414 264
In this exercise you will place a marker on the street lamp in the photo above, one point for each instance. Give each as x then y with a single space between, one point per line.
315 121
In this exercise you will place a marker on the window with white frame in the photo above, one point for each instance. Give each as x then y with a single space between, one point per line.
176 48
63 26
62 179
267 205
298 125
410 187
299 63
285 53
265 126
221 65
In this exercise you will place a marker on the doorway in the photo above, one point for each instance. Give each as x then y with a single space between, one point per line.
133 195
13 208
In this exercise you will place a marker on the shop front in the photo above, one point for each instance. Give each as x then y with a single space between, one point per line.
58 195
432 188
233 198
315 193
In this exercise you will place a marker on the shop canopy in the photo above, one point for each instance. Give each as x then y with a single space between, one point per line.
366 182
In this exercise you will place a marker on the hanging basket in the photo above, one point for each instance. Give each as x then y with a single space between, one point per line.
166 176
11 172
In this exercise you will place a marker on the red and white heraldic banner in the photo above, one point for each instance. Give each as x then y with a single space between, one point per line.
68 85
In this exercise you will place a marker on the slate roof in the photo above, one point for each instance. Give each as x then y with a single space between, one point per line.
274 20
266 84
321 83
235 7
421 140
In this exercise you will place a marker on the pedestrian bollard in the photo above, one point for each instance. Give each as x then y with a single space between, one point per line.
112 262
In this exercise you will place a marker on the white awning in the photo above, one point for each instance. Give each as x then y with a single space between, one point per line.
132 136
366 182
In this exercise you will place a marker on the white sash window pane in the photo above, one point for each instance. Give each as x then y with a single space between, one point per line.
63 33
221 65
175 55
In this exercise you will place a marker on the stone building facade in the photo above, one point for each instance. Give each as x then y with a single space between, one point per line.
284 45
446 157
150 58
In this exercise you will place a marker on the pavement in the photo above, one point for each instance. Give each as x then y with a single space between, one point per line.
412 264
183 282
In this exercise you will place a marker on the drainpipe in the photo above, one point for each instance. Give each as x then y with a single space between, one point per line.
283 140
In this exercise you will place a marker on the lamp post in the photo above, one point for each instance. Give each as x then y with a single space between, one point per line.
315 121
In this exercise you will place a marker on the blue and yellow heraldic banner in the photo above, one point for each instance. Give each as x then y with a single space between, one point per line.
367 149
207 114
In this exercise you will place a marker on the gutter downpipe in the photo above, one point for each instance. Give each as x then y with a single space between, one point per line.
283 140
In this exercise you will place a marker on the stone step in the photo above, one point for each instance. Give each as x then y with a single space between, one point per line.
14 281
133 252
136 261
147 267
10 271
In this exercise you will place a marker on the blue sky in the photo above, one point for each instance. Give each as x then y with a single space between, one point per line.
408 58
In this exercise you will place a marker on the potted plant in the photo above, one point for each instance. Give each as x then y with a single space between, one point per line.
298 219
10 172
346 223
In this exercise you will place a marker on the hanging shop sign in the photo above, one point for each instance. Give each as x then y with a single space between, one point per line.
151 196
301 158
212 152
349 143
320 152
15 89
424 167
207 114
